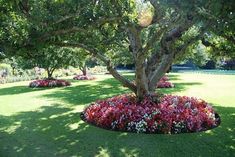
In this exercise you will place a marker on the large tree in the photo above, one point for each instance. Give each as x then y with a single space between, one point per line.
153 32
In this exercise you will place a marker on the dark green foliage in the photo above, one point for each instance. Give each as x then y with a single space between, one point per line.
152 34
52 58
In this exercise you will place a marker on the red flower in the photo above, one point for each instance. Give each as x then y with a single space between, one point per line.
49 83
174 114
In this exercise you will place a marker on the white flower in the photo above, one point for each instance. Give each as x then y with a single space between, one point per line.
141 126
187 105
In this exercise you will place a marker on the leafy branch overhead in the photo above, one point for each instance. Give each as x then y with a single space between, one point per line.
152 34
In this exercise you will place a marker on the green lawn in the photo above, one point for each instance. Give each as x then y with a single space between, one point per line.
46 123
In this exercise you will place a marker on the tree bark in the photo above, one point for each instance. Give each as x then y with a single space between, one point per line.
123 80
50 73
84 70
13 71
134 36
92 51
162 68
141 81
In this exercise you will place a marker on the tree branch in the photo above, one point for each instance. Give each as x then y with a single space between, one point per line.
158 13
182 49
155 37
67 17
102 21
134 40
110 68
60 32
164 65
74 29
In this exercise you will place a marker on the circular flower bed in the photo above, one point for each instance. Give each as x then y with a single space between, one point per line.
49 83
164 78
84 77
164 83
165 114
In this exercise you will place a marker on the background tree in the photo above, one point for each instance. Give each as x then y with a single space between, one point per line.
154 32
84 61
13 62
51 58
197 53
219 46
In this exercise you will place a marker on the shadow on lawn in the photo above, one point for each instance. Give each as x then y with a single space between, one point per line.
87 93
173 77
56 131
19 90
179 87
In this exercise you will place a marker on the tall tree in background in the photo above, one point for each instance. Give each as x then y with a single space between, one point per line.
153 32
51 58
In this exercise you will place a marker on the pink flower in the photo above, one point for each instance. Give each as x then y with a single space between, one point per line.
49 83
174 114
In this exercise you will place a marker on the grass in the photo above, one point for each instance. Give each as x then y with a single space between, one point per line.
46 122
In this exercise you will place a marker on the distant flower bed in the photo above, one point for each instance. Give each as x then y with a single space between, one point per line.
167 114
84 77
165 78
164 83
49 83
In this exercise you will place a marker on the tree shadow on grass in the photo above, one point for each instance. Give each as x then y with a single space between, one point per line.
178 87
59 131
87 93
173 77
19 90
100 89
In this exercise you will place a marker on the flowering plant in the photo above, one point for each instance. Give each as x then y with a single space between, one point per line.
165 78
49 83
167 114
84 77
164 83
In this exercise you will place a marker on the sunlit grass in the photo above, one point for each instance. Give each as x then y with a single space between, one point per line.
46 122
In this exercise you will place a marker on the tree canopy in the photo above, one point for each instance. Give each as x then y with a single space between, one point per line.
153 33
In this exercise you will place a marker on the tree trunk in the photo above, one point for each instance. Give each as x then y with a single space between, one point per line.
162 68
49 73
141 81
84 70
13 71
134 36
120 78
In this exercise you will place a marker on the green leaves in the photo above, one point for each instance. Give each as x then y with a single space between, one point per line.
102 24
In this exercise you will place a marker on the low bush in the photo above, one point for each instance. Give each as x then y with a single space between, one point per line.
98 70
84 77
11 79
5 70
